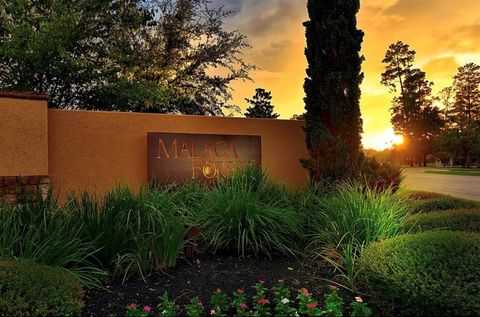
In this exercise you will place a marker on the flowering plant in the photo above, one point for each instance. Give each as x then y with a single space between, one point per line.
333 303
239 302
166 307
307 305
219 302
194 308
134 311
260 302
282 300
360 309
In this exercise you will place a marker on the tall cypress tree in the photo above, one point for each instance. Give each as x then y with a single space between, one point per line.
333 123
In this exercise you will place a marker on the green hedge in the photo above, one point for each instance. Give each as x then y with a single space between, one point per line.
29 289
441 204
467 220
425 274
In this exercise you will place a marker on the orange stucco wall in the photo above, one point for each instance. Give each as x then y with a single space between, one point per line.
94 151
23 137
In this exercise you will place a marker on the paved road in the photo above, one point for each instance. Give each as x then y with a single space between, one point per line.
467 187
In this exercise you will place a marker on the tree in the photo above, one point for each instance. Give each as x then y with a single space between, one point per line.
140 55
459 143
446 99
261 105
332 121
466 109
413 112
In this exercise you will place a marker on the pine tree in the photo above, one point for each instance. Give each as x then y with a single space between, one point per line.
261 105
332 121
466 109
414 114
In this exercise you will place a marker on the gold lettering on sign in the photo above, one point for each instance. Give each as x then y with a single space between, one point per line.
164 148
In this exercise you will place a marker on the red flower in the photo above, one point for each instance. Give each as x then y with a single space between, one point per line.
312 305
243 305
334 287
132 306
263 301
147 309
240 291
304 291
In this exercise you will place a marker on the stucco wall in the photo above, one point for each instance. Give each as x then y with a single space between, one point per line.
94 151
23 135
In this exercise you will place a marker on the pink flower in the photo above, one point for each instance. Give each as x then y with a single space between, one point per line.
243 305
304 291
212 312
312 305
147 309
263 301
334 287
261 282
218 290
200 303
358 299
132 306
240 291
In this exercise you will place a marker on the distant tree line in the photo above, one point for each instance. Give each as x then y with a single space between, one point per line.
448 124
124 55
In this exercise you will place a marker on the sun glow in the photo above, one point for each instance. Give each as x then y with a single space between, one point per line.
382 140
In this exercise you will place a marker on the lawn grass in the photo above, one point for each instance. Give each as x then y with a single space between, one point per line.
456 171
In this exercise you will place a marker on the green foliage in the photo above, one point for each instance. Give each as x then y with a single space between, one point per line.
413 112
220 303
166 307
40 231
132 232
122 55
332 88
467 220
194 308
248 214
351 218
441 203
261 106
425 274
360 309
380 176
282 301
29 289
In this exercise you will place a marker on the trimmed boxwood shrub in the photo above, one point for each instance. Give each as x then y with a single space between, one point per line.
441 204
433 273
30 289
467 220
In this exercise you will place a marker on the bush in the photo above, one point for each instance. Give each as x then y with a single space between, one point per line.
441 204
132 232
39 230
355 216
380 176
29 289
467 220
247 214
425 274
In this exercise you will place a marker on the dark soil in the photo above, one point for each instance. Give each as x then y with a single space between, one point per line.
203 276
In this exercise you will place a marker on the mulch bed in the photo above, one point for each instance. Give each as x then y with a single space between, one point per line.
204 274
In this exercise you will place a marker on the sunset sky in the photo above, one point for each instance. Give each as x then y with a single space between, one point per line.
445 34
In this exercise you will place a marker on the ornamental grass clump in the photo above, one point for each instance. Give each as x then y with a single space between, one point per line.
247 214
39 230
351 218
132 232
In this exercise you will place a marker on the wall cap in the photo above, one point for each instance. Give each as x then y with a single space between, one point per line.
23 95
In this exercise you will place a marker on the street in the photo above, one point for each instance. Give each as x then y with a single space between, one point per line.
467 187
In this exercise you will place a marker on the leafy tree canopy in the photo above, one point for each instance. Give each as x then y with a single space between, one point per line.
127 55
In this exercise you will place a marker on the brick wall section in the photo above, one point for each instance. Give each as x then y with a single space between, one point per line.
13 187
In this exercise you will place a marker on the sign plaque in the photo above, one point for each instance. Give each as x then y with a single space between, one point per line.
176 157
